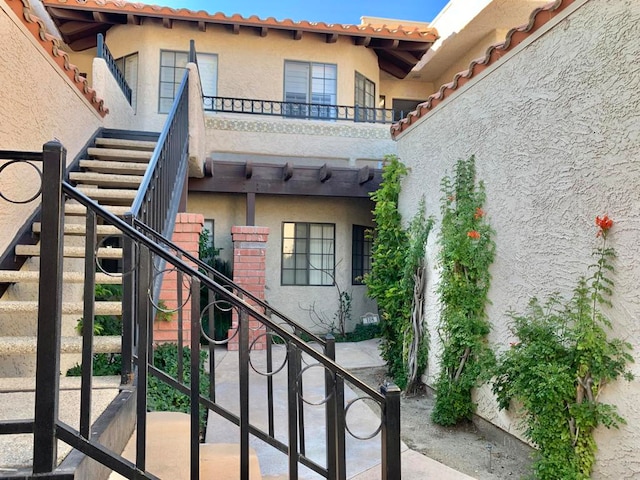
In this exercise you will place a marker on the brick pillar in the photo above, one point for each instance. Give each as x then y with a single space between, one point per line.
186 234
249 248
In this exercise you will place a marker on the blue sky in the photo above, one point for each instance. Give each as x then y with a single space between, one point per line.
329 11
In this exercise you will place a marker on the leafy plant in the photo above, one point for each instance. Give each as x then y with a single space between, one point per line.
162 397
466 253
104 364
396 255
560 395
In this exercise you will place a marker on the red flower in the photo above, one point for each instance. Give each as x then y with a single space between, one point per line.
479 213
603 223
473 234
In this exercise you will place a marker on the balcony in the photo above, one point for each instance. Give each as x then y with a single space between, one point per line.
296 110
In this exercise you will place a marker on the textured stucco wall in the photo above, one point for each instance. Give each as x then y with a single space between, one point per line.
271 211
121 113
343 142
406 90
555 128
37 104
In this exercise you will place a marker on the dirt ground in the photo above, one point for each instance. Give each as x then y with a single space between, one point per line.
463 448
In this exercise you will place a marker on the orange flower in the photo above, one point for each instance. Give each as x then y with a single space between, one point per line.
479 213
473 234
603 223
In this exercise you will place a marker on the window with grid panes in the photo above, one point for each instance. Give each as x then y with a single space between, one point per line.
310 83
361 245
172 65
308 253
365 94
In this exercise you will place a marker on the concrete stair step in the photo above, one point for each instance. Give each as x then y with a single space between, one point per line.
125 144
109 180
28 384
18 276
69 252
75 209
22 345
120 155
168 446
127 168
81 229
101 308
116 195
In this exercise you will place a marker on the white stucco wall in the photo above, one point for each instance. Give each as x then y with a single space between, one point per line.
38 103
555 128
121 113
271 211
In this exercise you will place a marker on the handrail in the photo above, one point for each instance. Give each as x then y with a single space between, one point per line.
313 111
224 280
104 53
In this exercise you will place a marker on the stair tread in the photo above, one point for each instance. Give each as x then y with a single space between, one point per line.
101 307
18 276
19 345
106 179
108 193
125 143
120 154
77 209
28 384
81 229
105 166
69 252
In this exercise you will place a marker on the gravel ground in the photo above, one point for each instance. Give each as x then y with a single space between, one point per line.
462 447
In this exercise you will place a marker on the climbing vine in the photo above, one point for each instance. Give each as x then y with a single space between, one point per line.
466 253
397 263
560 395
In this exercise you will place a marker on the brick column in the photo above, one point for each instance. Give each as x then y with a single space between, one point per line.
186 234
249 249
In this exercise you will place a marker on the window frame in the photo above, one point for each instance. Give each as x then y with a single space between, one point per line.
121 62
304 251
176 83
364 99
302 110
361 253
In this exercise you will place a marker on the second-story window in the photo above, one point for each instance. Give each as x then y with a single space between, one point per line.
128 65
309 86
365 95
172 64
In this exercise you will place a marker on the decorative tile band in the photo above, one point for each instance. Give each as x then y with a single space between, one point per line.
299 127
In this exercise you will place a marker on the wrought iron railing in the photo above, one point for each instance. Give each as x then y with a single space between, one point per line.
104 53
47 427
309 111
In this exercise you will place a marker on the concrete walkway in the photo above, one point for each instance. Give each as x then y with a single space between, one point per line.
363 456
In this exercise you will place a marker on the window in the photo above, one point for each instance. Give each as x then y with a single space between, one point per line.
361 245
402 107
365 94
308 253
172 66
128 65
310 83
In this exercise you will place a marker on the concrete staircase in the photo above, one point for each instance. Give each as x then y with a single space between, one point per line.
110 173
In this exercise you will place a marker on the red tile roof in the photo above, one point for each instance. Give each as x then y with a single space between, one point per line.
494 53
52 45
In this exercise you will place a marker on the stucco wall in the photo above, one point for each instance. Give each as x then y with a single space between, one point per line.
37 104
271 211
555 128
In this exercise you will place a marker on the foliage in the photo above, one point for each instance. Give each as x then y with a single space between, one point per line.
104 364
560 396
209 254
466 253
395 255
105 324
162 397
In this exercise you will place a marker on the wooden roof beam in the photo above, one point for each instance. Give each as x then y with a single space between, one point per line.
365 174
324 173
287 172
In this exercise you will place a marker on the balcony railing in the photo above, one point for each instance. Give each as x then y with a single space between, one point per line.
104 53
309 111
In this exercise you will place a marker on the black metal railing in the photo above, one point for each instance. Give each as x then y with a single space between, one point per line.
309 111
104 53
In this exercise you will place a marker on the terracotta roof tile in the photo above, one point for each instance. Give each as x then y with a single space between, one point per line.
119 6
53 46
493 54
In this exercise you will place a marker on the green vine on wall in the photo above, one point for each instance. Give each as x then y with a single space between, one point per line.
558 368
397 257
466 253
